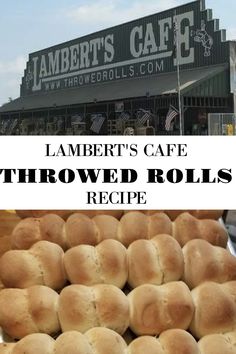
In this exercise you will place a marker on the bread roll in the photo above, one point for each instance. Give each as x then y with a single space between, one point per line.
42 264
145 344
218 344
106 263
105 341
82 308
26 311
95 341
66 213
91 213
186 228
206 262
172 341
215 308
80 229
161 261
72 342
173 214
146 212
34 343
135 225
207 214
31 230
199 214
40 213
178 341
154 309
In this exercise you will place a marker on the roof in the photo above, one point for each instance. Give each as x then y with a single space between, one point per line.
162 84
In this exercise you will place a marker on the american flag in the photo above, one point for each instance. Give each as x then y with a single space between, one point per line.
172 113
143 116
98 120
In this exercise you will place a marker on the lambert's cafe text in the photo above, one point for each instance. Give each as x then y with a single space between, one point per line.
113 175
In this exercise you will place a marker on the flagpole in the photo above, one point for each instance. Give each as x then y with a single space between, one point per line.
178 78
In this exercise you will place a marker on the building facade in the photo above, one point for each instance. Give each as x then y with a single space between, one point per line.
125 79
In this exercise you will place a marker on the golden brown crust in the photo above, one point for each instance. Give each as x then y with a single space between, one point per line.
178 341
12 302
91 213
94 341
105 341
207 214
66 213
20 269
135 226
186 228
26 311
80 229
218 343
32 230
42 264
154 309
40 213
211 262
215 308
112 308
26 233
173 214
82 308
107 227
34 343
51 229
72 342
159 265
113 260
106 263
145 343
173 341
111 343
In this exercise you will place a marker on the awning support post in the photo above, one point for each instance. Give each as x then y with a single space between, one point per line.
176 29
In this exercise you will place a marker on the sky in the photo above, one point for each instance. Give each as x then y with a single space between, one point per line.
30 25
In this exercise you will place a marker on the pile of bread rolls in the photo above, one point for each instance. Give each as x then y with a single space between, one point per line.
162 261
100 340
167 279
200 214
80 229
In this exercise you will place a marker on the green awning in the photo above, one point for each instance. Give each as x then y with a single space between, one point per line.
163 84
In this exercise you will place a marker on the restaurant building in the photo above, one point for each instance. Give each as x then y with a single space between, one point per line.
125 79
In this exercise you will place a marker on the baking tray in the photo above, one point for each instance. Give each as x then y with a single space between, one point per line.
231 247
5 338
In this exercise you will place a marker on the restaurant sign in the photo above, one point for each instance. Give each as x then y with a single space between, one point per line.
147 46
